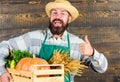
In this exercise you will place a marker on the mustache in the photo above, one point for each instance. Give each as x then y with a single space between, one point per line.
57 20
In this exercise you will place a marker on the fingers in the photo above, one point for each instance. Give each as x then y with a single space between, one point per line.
82 48
6 77
86 48
10 77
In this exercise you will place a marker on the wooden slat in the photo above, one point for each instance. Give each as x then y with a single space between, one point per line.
37 75
20 73
21 79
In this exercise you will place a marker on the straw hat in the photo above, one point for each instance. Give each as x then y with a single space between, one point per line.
62 4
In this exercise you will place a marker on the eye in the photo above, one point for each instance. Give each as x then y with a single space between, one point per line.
53 13
63 13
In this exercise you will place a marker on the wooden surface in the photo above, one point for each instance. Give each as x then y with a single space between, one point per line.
100 20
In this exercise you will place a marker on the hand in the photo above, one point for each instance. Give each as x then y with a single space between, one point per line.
6 77
86 48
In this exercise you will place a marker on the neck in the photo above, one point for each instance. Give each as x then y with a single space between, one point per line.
57 36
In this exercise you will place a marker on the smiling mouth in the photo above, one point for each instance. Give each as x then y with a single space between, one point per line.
57 23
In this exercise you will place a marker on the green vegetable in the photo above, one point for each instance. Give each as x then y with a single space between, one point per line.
15 56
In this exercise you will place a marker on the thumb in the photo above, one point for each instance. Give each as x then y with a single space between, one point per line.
86 39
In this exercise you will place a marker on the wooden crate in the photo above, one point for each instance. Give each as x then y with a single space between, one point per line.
55 74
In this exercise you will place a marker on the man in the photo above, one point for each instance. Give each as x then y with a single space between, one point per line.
44 42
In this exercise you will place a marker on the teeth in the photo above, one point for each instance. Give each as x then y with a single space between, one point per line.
57 22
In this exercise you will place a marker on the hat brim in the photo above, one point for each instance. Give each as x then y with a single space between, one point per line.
71 9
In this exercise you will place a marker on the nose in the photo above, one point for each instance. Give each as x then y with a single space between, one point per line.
58 15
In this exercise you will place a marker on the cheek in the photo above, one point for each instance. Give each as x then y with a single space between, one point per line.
65 20
51 18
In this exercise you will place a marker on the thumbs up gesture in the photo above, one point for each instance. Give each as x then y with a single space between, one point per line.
86 48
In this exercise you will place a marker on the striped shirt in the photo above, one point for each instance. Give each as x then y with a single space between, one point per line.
32 42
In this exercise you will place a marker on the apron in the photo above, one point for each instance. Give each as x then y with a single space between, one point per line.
46 52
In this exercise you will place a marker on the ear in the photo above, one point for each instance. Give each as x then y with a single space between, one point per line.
69 19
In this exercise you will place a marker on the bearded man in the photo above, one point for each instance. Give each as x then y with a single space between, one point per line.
44 42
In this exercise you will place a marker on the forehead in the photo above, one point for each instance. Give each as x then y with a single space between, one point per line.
59 10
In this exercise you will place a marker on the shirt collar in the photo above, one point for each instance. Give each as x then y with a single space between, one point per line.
63 37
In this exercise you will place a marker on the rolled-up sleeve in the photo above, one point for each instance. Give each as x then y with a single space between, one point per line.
2 69
4 52
98 62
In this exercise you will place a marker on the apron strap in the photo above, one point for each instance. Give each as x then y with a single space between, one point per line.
68 39
45 39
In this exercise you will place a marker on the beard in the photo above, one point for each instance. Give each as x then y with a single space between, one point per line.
57 30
